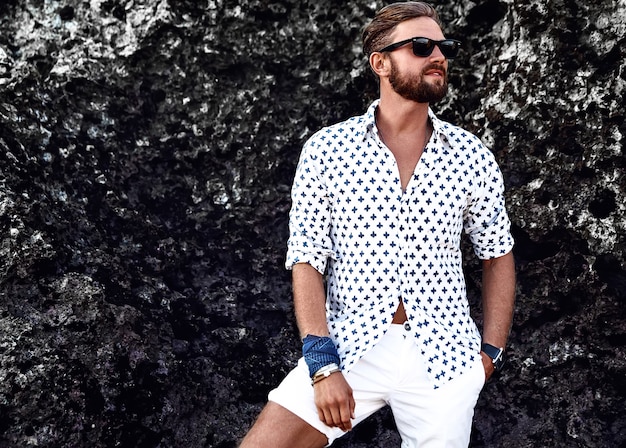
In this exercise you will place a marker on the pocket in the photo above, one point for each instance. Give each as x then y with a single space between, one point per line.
480 368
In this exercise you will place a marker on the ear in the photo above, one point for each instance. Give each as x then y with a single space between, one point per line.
379 63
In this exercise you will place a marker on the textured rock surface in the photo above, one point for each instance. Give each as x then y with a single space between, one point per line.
146 153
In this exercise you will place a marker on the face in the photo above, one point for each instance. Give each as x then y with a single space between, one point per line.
419 79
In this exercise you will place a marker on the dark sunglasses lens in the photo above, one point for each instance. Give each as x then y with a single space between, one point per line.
423 46
449 48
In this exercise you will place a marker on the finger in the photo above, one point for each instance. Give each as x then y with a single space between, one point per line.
346 426
345 415
325 416
336 418
352 406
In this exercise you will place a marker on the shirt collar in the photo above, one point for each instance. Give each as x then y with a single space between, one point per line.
369 120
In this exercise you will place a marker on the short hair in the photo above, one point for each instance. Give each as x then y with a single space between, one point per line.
376 34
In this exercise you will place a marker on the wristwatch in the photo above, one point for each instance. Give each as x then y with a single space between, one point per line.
496 354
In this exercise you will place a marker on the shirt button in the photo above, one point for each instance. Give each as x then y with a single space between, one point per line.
407 326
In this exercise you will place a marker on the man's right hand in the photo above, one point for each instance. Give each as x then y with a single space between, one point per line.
334 401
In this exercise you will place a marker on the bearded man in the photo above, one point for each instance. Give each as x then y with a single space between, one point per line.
379 205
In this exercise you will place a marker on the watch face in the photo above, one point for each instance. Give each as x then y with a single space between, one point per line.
499 362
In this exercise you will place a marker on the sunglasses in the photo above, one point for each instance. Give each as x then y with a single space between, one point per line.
423 46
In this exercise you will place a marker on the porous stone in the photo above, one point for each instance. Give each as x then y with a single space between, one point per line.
147 149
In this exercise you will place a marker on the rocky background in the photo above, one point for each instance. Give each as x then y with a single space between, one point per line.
147 149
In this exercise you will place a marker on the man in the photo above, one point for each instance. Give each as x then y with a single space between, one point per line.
379 205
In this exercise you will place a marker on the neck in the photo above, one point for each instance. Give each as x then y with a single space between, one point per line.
397 115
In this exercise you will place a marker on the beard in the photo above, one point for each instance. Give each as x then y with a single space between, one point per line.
417 89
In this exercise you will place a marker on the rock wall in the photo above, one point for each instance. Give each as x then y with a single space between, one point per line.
147 149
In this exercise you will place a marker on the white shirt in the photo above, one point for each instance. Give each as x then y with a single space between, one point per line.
378 245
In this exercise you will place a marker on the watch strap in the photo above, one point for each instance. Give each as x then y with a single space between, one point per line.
496 354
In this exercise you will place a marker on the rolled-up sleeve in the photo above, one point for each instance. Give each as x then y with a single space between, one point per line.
310 215
486 220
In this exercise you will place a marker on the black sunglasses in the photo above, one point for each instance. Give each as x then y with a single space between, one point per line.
423 46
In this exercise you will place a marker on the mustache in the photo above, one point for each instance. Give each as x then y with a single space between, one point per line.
435 66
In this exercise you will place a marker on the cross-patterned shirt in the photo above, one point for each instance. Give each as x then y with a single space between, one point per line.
378 245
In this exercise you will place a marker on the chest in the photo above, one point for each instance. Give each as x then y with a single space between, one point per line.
373 184
407 153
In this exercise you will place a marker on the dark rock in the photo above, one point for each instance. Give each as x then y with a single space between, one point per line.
147 149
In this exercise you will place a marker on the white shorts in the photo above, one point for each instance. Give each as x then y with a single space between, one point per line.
393 373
